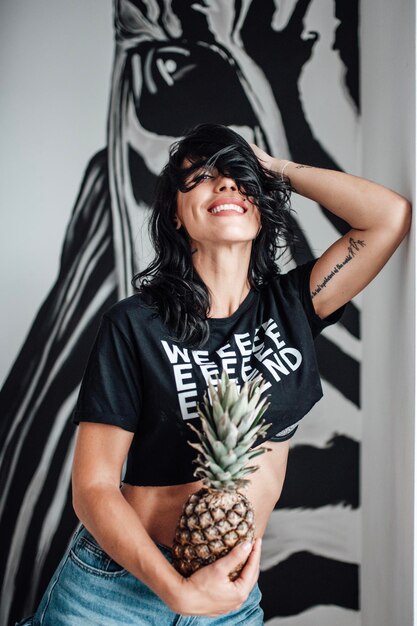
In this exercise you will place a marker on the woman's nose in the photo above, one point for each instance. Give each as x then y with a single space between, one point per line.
223 183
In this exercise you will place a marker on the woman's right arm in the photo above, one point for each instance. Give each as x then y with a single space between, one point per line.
99 504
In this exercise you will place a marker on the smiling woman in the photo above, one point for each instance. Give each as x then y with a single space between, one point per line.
214 284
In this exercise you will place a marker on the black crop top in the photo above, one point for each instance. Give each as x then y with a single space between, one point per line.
141 380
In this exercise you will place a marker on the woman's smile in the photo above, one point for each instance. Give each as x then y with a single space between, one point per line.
227 206
226 210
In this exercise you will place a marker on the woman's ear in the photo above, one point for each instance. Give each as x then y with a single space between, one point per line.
177 222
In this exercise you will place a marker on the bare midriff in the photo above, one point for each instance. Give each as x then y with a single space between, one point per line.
159 508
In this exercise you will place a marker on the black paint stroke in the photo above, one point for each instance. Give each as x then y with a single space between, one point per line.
346 41
93 200
305 580
339 369
282 56
319 477
58 542
351 320
203 87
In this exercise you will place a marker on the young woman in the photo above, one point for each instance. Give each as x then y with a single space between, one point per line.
214 298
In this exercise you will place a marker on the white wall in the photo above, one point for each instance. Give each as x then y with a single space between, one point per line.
388 97
55 67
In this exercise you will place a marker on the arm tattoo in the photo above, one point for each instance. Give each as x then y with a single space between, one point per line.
299 167
354 246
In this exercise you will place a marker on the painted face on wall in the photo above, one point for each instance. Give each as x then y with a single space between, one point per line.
214 211
162 89
175 87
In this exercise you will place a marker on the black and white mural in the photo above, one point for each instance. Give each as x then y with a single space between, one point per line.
284 74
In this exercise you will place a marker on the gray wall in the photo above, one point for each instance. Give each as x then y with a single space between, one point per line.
388 449
55 68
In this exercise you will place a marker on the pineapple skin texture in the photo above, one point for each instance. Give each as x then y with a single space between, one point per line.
211 524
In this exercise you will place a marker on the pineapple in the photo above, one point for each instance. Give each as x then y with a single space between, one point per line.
218 517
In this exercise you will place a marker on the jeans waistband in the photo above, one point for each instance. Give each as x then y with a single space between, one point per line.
166 550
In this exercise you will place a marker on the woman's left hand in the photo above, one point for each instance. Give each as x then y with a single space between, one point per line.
269 162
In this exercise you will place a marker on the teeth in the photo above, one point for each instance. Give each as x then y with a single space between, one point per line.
227 207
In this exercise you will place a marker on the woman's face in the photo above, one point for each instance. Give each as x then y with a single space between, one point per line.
216 212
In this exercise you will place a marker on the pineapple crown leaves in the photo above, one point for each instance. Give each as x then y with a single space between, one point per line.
231 423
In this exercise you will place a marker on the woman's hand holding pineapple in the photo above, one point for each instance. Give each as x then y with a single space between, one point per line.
210 592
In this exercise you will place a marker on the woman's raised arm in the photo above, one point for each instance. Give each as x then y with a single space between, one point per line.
379 219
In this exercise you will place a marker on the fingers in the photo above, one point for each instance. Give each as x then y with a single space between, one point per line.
235 557
258 152
265 159
251 553
249 574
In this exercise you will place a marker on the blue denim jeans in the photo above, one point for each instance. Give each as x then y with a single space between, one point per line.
88 588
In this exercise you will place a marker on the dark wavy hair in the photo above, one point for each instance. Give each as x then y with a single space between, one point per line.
175 289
